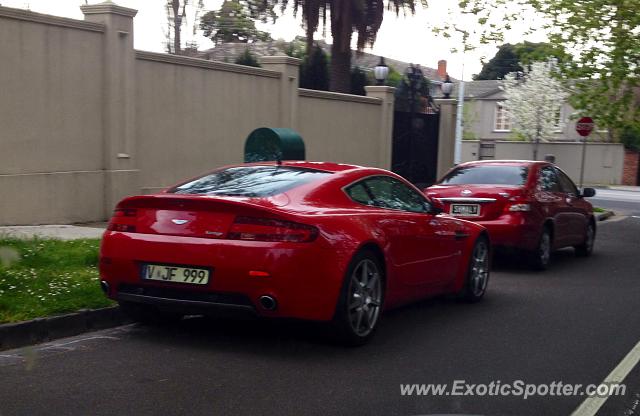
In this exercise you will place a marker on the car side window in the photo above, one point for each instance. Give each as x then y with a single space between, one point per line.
391 193
548 180
359 193
566 184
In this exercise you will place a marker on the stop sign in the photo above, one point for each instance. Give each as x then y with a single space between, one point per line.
584 126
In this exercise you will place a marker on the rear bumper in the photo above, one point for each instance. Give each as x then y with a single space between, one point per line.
303 278
515 230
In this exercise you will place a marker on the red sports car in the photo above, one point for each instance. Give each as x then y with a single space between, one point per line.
315 241
532 206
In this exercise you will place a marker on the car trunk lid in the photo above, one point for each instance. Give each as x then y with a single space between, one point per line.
490 201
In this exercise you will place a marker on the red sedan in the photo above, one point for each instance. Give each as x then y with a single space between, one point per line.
532 206
315 241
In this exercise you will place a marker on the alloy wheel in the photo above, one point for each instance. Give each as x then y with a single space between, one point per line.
365 297
479 269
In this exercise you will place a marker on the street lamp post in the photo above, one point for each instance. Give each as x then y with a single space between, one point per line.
447 87
381 71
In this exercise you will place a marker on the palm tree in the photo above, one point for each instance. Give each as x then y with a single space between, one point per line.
363 17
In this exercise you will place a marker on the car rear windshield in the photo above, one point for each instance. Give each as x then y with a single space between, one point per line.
487 175
250 181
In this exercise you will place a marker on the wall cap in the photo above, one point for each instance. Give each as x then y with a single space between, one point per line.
204 63
445 101
380 88
280 59
108 7
29 16
303 92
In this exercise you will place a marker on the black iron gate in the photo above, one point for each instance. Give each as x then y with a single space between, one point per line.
415 146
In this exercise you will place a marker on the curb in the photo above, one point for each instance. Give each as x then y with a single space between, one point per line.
604 215
20 334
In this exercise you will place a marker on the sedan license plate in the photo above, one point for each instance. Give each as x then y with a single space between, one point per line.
465 209
179 274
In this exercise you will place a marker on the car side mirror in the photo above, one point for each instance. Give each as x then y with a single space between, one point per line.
434 209
588 192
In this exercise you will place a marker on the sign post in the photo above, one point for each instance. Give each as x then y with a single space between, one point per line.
584 127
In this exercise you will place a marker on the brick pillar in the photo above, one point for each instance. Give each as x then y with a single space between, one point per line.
385 140
446 135
631 167
290 69
121 178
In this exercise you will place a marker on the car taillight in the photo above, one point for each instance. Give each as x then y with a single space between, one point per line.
518 203
269 229
519 207
123 220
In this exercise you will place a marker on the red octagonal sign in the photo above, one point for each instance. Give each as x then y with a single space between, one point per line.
584 126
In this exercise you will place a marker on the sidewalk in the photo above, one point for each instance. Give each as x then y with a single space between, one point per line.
618 188
60 232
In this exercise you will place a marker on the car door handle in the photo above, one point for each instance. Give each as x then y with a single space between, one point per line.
461 235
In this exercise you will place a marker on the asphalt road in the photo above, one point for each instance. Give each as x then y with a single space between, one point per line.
621 201
573 323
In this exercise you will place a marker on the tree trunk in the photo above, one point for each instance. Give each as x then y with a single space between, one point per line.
177 26
341 31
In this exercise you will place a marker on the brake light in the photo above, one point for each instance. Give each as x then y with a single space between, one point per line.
519 207
123 220
269 229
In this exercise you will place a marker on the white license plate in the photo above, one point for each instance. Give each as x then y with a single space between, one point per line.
169 273
465 209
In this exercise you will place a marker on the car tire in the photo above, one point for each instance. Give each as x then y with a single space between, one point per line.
478 272
585 249
540 258
361 300
148 314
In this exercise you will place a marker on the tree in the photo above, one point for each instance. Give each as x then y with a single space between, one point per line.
247 59
177 21
393 78
346 17
533 102
314 71
509 57
231 23
602 37
359 80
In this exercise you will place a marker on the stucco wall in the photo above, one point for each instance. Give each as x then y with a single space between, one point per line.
603 164
50 119
86 120
339 127
193 119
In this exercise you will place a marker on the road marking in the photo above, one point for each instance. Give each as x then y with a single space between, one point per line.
592 404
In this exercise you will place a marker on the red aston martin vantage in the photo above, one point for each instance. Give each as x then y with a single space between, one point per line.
316 241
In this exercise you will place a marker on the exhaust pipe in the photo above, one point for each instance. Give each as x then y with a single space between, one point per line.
105 286
268 303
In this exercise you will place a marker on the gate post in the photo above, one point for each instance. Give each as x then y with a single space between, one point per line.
385 139
447 135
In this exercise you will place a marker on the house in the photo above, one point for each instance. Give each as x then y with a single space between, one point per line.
485 117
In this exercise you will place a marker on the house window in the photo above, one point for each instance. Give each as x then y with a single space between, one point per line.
559 120
503 121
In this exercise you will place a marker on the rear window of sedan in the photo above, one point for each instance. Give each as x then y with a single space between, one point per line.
250 181
487 175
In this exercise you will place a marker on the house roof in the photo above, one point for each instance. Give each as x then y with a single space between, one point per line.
479 89
229 52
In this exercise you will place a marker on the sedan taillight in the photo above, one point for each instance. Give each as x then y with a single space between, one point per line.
269 229
519 207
